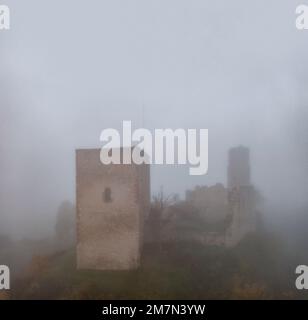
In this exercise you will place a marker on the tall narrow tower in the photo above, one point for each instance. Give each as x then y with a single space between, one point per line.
238 167
242 196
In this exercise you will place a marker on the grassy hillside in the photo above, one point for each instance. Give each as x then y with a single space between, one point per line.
255 269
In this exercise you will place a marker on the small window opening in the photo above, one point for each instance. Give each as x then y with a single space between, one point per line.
107 195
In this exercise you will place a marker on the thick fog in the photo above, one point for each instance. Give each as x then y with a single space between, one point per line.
69 69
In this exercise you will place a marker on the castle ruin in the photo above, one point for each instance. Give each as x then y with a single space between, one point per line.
113 202
234 206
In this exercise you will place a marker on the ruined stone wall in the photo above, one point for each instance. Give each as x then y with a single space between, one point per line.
212 202
109 224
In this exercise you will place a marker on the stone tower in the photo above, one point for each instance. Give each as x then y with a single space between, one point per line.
238 167
111 203
241 196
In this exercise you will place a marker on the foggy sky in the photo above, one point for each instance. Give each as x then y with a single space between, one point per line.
69 69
